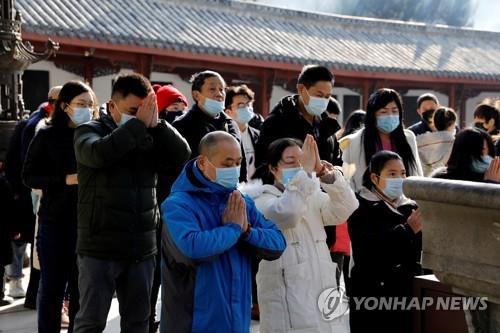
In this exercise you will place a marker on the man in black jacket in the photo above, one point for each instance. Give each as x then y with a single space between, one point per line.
118 158
426 105
296 116
206 115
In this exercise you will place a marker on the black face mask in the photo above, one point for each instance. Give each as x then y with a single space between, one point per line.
170 116
427 115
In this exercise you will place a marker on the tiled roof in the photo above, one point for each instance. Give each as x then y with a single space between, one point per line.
238 29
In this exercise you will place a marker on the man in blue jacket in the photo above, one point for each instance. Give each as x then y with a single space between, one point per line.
210 233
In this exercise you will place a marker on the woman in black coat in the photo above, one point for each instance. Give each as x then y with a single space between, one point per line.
50 166
386 243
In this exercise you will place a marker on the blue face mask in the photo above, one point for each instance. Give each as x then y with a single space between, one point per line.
393 187
316 105
81 115
125 117
480 166
387 124
288 174
244 114
213 107
227 177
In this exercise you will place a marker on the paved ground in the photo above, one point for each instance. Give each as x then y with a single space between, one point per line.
15 318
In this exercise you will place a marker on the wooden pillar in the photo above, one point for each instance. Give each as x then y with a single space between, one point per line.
144 65
88 72
265 91
366 94
452 103
463 101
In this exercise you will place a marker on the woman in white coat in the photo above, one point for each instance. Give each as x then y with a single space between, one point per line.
383 131
301 194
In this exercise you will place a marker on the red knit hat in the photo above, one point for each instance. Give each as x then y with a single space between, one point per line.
155 87
168 95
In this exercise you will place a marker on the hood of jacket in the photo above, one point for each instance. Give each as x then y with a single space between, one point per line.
256 188
435 146
288 104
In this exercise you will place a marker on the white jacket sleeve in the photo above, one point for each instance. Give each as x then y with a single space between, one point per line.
340 202
412 141
287 210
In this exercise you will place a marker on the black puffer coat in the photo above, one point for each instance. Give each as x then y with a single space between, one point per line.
117 173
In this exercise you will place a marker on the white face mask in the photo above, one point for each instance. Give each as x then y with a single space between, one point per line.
244 114
288 174
124 118
81 115
393 187
316 105
213 107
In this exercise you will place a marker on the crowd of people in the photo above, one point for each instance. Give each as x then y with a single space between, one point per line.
233 215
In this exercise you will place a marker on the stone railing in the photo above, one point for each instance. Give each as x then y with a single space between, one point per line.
461 240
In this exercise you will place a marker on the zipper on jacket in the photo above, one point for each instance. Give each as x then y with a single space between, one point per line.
286 299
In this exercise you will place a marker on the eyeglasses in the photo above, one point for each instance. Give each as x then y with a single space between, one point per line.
82 105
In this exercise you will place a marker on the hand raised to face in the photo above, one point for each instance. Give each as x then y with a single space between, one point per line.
148 110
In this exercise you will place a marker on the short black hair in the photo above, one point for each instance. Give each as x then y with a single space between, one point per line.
311 74
198 79
426 97
333 106
444 117
487 112
233 91
130 84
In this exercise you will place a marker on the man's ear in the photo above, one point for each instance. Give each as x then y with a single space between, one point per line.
113 110
201 162
229 112
491 123
300 86
196 95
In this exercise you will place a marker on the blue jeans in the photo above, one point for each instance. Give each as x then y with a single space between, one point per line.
99 279
15 269
56 245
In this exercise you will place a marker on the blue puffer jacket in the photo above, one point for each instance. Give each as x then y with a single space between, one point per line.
206 270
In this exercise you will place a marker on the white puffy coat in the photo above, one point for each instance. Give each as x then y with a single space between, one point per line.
288 288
